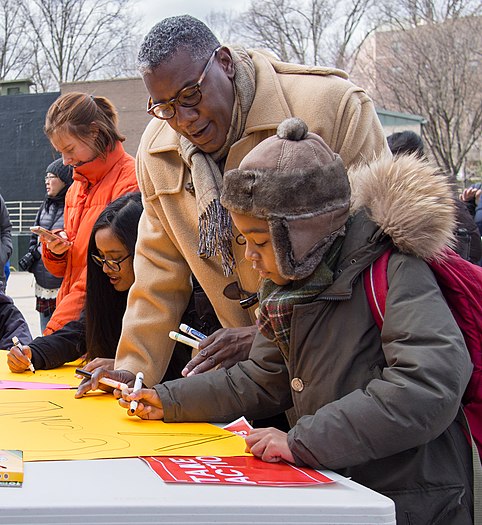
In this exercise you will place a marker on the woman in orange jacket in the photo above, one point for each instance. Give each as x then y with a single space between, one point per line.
83 129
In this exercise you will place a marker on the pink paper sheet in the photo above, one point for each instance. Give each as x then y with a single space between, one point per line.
30 385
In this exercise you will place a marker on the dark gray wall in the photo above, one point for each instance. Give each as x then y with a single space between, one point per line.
25 151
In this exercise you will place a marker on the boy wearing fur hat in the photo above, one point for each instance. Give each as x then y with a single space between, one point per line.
381 408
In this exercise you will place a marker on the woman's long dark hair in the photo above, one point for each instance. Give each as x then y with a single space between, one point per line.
104 306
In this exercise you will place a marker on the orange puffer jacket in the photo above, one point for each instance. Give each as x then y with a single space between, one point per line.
96 184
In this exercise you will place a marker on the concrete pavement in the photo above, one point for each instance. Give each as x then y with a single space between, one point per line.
21 288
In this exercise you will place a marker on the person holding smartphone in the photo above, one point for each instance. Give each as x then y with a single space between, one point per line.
84 130
50 216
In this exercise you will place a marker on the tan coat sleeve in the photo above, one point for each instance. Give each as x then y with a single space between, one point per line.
256 388
157 299
359 134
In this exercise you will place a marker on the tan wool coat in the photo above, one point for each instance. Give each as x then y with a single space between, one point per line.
166 251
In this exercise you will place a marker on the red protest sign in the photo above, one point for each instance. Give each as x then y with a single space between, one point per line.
233 471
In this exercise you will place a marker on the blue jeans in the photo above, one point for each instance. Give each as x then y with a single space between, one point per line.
44 319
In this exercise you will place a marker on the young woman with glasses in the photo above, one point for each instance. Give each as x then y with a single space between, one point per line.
84 130
110 274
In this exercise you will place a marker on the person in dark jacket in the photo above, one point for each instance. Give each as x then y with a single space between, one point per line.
12 323
471 197
58 180
469 244
5 242
381 407
110 274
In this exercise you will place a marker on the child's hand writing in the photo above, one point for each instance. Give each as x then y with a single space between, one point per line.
149 405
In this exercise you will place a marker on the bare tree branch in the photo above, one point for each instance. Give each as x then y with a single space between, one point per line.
430 65
291 29
225 25
78 39
358 20
14 45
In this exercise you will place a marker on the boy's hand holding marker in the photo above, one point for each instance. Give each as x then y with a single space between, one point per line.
148 404
141 402
137 387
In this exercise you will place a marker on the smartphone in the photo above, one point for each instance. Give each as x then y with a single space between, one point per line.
38 230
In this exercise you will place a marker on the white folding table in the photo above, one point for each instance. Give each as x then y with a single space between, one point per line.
126 491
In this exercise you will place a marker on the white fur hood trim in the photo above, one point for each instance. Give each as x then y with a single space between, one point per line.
410 200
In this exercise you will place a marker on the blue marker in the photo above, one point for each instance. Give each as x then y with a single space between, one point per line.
192 332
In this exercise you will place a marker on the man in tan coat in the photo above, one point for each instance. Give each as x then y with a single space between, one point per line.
212 104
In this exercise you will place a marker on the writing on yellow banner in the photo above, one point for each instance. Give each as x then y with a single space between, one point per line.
53 425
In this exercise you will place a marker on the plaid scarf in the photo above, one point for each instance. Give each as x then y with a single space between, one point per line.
214 221
277 302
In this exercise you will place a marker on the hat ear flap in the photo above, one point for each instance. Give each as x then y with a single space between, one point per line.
299 244
281 242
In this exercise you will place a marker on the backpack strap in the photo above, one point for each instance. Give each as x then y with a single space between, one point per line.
477 467
477 484
376 286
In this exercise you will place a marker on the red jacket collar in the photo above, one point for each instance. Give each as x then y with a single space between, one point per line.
94 171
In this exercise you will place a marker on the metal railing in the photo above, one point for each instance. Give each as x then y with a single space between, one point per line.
22 214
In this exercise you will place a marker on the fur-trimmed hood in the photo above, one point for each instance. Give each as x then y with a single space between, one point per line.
410 200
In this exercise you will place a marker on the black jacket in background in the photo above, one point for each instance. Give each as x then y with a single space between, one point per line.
12 323
5 241
65 345
469 244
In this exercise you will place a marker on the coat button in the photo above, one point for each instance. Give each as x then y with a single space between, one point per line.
297 384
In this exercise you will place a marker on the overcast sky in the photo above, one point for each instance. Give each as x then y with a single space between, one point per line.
152 11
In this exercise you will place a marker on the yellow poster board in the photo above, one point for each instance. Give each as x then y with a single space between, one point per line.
62 375
53 425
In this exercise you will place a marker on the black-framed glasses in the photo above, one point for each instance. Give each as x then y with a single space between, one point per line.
113 265
188 97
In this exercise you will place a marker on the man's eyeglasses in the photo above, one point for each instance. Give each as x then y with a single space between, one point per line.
188 97
115 266
50 177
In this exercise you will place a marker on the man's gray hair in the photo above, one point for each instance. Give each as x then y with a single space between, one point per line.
174 33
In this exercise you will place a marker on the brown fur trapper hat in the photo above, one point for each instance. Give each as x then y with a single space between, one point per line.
295 182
